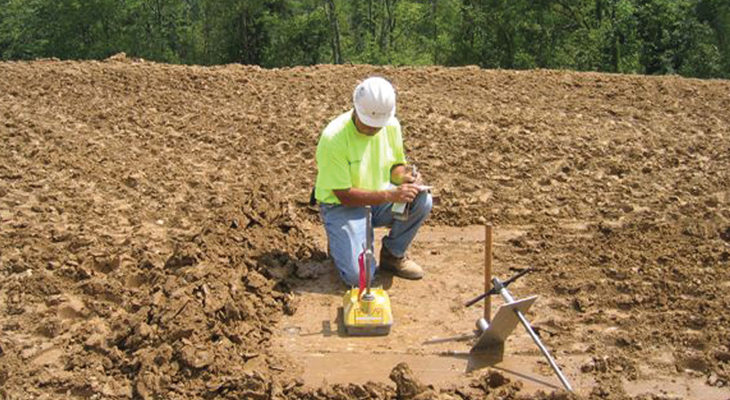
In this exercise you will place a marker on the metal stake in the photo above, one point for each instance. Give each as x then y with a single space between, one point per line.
508 298
368 252
487 271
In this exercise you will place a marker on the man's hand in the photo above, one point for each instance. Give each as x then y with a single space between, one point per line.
405 174
412 176
404 193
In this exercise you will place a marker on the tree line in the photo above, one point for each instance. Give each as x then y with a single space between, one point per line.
686 37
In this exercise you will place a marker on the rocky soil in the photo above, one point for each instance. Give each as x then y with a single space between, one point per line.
152 217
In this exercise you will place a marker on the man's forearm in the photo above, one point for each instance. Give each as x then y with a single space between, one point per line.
354 197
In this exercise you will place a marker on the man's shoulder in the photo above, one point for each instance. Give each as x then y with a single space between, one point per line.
337 125
393 127
393 122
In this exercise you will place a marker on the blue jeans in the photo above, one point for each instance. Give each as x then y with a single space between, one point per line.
346 226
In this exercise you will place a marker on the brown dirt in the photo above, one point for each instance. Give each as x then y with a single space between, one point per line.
155 240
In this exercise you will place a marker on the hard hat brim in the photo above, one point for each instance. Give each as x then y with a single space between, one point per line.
372 121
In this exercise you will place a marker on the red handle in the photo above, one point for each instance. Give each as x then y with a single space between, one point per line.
363 278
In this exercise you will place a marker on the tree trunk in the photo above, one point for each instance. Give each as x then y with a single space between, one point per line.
388 25
244 39
334 25
468 22
434 32
206 35
371 24
615 50
383 38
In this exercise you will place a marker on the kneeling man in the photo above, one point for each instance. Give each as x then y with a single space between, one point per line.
361 162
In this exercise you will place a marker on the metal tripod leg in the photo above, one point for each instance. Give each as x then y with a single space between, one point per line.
508 298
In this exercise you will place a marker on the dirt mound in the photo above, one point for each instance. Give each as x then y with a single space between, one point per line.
120 321
152 217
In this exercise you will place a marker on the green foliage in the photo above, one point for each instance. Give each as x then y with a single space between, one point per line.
300 39
20 36
687 37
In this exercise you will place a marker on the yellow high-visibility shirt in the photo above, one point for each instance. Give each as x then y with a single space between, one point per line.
348 159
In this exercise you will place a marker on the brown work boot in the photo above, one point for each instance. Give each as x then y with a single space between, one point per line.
402 267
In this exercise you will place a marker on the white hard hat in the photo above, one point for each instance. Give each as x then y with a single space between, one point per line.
374 101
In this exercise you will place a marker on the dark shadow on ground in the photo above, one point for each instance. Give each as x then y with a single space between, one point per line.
312 275
477 362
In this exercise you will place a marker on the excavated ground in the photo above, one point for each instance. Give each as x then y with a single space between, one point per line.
155 240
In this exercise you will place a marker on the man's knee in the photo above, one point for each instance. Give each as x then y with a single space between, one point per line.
350 276
423 203
350 273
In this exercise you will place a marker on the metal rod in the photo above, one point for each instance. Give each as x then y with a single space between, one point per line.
494 290
508 298
368 249
544 351
487 272
476 299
